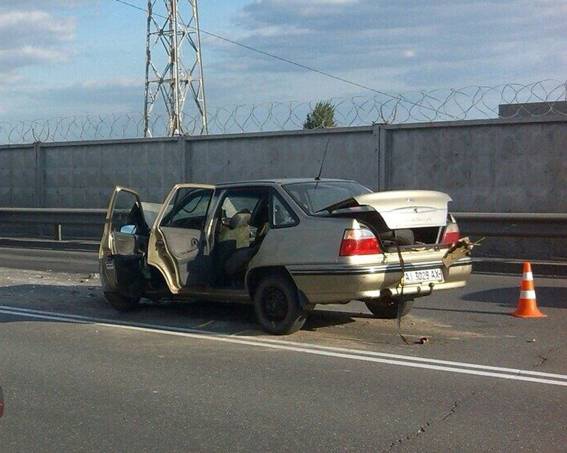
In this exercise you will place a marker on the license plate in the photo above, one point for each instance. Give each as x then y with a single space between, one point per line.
425 275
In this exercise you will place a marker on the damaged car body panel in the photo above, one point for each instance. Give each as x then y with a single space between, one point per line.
403 208
284 245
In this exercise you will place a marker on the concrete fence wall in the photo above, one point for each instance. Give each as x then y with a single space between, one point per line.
491 166
486 166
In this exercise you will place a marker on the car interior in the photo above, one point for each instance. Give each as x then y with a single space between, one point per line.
241 223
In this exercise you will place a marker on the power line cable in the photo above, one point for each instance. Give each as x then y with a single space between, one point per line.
287 60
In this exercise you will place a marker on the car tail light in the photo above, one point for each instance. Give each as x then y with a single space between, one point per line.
451 233
359 242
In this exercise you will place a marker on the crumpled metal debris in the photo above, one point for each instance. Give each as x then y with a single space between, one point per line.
458 250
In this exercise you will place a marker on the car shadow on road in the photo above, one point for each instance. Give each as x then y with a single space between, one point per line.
320 319
89 302
547 296
240 319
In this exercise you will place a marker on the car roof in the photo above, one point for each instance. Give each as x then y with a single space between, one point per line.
277 181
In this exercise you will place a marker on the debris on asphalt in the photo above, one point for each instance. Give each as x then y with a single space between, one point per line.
89 277
422 340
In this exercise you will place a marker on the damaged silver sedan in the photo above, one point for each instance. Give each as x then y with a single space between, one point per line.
284 245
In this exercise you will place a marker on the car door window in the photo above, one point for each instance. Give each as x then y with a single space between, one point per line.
239 202
126 211
189 209
281 215
243 213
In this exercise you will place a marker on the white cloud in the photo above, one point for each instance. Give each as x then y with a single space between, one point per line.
94 96
416 45
33 37
29 55
391 46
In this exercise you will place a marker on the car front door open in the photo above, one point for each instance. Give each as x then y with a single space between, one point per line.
124 219
123 244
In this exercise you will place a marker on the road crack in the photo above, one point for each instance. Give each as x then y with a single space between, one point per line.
544 356
426 427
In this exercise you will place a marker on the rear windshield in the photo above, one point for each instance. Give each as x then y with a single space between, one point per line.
313 196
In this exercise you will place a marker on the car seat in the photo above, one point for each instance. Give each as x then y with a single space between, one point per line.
238 230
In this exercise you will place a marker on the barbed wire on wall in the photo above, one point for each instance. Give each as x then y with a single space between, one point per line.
472 102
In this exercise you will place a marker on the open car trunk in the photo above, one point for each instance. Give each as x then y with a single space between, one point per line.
405 217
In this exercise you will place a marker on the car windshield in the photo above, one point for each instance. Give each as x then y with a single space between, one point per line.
313 196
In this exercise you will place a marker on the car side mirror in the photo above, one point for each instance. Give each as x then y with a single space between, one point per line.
128 229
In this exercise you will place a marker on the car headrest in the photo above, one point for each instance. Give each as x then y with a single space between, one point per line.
240 219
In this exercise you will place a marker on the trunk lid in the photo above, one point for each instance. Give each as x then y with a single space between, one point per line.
401 209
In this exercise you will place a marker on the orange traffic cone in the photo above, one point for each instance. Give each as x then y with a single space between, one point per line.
527 305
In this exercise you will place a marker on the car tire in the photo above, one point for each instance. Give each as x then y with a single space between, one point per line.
277 306
388 309
122 303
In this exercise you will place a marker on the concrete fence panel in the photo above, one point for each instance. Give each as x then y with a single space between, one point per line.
83 175
18 167
351 153
491 166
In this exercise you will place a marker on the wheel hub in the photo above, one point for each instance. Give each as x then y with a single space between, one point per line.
275 304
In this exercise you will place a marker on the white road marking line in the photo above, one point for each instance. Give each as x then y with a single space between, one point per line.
423 359
365 356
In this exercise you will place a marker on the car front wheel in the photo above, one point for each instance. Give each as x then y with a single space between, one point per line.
388 309
277 306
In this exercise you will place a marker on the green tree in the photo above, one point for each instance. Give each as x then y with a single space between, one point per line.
322 115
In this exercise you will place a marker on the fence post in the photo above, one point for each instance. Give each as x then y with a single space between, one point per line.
187 159
57 232
39 183
39 168
383 155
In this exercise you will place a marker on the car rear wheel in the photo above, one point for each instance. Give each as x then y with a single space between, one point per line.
388 309
277 306
122 303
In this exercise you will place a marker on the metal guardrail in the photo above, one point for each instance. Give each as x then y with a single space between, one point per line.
490 224
513 225
55 217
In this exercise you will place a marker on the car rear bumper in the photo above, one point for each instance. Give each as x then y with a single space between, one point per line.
335 283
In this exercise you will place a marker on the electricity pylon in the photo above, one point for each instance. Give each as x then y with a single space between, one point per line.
174 69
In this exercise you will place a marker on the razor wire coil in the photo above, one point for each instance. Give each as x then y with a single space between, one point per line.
466 103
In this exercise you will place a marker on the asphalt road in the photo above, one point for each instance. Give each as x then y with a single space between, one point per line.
200 377
47 259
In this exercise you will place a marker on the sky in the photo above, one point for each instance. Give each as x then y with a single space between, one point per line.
78 57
